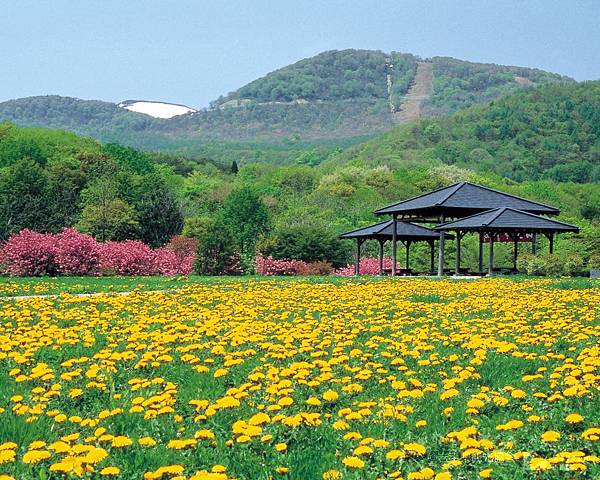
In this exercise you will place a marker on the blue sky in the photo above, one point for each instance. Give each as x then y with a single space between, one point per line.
191 52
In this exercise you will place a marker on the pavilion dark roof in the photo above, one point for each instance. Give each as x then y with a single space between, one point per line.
383 231
462 199
507 219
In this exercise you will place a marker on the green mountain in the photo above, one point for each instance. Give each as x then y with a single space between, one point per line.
342 96
551 131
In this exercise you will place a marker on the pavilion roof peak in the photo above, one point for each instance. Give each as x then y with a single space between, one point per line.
464 196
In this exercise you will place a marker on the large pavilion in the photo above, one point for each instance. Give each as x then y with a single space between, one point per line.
406 232
454 202
461 208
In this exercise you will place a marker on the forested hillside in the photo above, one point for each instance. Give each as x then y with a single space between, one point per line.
458 84
548 132
51 179
330 76
336 95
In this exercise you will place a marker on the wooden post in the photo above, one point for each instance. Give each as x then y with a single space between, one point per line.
516 250
407 254
442 245
381 242
534 244
481 234
432 259
458 239
491 262
394 242
357 263
551 238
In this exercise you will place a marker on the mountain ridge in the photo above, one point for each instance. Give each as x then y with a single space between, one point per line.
338 94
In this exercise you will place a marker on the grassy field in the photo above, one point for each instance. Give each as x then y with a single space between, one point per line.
18 286
27 286
301 379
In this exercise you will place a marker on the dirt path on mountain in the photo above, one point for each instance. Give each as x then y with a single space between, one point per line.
419 91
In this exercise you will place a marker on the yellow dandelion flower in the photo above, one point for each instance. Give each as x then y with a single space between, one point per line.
353 462
574 418
550 436
106 471
34 456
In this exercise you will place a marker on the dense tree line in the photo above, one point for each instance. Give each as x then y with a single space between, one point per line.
52 179
541 143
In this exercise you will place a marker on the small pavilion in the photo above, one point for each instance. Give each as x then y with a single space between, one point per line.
506 222
454 202
406 232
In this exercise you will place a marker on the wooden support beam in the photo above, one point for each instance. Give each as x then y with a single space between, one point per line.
491 259
516 250
442 245
432 256
381 243
357 262
394 243
407 245
551 247
458 239
481 234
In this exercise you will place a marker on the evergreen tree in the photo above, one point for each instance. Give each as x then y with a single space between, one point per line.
158 212
215 254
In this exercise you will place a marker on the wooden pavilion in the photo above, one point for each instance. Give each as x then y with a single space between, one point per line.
507 221
454 202
406 232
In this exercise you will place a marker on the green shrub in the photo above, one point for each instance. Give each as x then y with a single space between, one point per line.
551 265
594 261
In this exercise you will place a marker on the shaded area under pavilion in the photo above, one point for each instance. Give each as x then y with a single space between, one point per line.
515 225
454 202
406 232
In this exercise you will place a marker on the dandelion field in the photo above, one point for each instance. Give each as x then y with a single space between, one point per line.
294 379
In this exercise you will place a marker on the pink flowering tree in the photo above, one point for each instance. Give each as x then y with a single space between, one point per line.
166 262
269 266
130 257
76 253
29 254
368 266
70 252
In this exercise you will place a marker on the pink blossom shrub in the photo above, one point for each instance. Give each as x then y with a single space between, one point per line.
76 253
29 254
70 252
269 266
130 257
368 266
166 262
